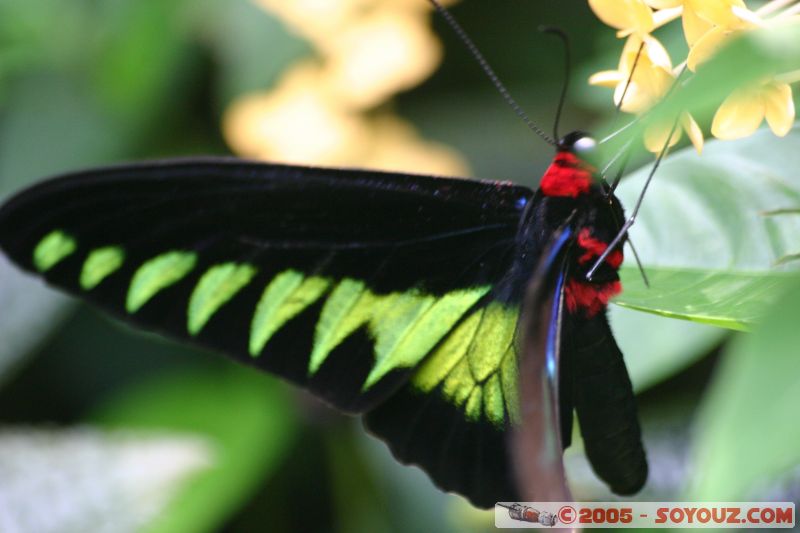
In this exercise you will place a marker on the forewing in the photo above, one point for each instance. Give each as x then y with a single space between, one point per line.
340 280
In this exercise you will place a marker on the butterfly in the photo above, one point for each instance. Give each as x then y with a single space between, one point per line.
464 319
395 296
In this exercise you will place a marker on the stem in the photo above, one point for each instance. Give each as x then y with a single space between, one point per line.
665 16
771 7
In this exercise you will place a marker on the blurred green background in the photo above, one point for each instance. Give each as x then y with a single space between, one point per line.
93 414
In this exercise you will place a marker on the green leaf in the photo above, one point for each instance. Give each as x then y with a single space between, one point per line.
243 415
732 300
708 248
656 347
747 430
134 74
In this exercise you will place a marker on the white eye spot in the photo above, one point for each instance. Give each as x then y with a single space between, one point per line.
584 144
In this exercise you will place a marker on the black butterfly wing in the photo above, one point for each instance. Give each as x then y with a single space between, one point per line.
343 281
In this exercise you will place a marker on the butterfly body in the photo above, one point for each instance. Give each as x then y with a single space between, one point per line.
397 296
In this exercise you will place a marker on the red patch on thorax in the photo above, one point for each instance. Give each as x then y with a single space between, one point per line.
566 176
590 297
594 248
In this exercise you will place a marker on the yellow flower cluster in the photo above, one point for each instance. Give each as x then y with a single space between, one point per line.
329 108
645 73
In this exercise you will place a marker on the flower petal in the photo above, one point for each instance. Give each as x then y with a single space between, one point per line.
665 16
656 52
717 12
706 46
693 26
624 14
779 108
693 131
607 78
655 80
636 100
739 116
650 47
655 136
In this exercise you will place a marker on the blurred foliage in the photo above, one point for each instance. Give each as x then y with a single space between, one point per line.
244 417
88 82
757 383
85 479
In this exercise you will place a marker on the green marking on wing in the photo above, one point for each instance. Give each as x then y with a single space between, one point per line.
100 264
52 249
451 352
390 324
405 326
473 407
344 310
509 383
459 384
495 334
157 274
476 365
288 294
493 405
404 338
217 286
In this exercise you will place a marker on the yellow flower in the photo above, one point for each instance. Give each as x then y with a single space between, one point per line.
645 73
297 122
743 111
651 79
323 111
378 55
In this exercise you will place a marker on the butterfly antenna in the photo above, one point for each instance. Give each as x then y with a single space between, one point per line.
628 223
558 32
487 69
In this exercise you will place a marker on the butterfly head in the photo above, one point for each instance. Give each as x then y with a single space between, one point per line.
578 142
